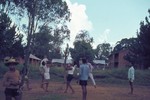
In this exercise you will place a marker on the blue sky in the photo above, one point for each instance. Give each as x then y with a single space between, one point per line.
107 20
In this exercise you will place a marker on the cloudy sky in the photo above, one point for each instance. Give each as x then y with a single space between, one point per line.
107 20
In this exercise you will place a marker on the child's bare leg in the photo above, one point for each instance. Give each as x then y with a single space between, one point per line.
71 88
18 97
67 85
131 86
42 82
84 92
8 97
47 84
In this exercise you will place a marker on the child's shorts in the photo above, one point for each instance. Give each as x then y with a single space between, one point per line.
12 92
83 82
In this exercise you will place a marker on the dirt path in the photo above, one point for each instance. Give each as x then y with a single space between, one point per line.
102 92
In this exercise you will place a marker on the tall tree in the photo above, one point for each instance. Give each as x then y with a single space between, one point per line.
39 13
143 36
140 49
103 51
134 52
82 47
46 43
10 39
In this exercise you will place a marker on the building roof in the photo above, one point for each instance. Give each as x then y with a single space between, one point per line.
99 62
34 57
61 61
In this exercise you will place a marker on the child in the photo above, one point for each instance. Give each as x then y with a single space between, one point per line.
83 76
46 76
131 77
91 74
11 81
41 69
71 70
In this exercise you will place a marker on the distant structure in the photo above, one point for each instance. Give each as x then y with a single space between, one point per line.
117 60
60 62
33 60
99 64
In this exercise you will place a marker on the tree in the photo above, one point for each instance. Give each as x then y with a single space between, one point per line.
134 52
140 49
143 39
123 44
82 47
143 36
10 40
103 51
38 13
45 43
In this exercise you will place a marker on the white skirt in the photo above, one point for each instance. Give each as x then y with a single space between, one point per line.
46 76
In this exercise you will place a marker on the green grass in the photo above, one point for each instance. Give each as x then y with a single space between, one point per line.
119 76
108 76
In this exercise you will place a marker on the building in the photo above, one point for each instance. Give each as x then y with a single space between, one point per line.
117 59
60 62
33 60
99 63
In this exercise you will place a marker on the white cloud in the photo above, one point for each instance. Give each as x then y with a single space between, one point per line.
105 35
79 20
102 37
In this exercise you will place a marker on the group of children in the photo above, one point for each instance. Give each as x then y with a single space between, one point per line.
12 78
85 71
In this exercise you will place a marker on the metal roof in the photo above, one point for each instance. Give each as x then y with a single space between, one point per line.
34 57
61 61
99 62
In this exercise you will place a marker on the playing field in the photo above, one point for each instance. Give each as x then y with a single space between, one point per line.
102 92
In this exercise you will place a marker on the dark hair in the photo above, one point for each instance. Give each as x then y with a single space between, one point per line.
43 63
84 60
74 63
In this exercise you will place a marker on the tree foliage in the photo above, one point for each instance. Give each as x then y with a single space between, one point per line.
123 44
10 39
102 51
140 49
39 13
143 37
82 47
45 43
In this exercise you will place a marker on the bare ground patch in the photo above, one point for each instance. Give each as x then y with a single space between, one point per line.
102 92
